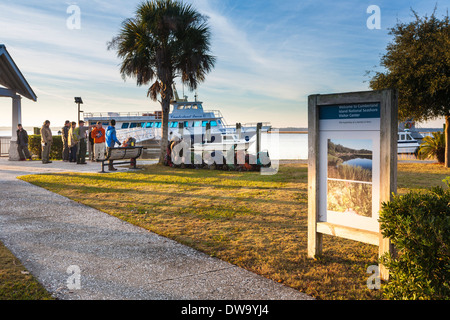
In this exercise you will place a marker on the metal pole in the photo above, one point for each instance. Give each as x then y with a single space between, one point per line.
258 137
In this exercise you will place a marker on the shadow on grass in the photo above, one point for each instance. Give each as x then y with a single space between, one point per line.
109 186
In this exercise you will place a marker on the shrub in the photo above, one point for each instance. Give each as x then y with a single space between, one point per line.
34 145
418 225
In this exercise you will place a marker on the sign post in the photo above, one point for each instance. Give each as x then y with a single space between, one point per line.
352 166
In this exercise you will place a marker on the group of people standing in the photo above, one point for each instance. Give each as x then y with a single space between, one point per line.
46 142
74 140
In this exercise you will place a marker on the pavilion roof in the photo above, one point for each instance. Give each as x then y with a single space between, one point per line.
11 78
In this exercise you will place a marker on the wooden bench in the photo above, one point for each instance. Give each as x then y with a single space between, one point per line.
127 153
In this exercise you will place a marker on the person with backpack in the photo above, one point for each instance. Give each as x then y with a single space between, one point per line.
111 140
73 142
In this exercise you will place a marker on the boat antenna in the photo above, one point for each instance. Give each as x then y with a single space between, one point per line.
184 96
175 92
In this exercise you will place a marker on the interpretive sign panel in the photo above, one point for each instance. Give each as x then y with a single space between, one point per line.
352 163
349 141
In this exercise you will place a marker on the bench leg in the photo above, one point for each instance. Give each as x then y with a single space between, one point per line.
103 167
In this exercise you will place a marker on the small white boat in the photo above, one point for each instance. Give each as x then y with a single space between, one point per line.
406 143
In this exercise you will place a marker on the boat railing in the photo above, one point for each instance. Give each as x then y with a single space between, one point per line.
250 124
140 134
111 115
156 114
216 113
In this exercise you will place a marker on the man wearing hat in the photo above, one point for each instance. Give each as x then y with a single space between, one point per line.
80 132
46 140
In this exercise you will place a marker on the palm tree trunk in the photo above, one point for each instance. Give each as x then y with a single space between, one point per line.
166 96
447 141
165 131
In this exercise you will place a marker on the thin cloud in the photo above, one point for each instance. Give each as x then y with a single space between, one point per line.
270 55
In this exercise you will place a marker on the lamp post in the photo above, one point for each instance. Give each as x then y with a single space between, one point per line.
78 101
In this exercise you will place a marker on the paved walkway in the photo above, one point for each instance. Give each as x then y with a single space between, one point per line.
49 233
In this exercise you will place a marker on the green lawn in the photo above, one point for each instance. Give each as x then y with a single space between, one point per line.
256 222
15 281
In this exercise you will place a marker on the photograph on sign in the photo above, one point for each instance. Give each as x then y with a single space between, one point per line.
349 175
350 179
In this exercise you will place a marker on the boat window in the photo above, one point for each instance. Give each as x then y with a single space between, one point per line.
402 137
186 124
105 123
170 124
194 106
125 125
133 125
220 122
408 137
196 124
180 107
204 123
149 125
158 125
213 123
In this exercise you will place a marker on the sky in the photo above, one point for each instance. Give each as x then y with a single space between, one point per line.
356 144
270 55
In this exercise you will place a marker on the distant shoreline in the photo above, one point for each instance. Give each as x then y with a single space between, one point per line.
6 131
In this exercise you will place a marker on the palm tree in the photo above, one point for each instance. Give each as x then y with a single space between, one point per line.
433 147
166 39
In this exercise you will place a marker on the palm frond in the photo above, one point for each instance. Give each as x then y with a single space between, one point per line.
432 147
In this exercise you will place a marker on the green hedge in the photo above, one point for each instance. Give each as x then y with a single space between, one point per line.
418 225
35 147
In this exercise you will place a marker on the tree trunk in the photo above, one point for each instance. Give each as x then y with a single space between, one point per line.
165 130
166 96
447 141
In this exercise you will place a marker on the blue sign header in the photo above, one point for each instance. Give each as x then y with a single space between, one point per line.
350 111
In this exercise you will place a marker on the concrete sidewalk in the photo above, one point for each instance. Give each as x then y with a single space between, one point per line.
49 233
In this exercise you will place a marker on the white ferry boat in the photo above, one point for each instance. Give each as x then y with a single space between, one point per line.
186 117
406 143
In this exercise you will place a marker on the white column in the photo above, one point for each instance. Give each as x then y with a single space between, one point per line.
16 115
16 119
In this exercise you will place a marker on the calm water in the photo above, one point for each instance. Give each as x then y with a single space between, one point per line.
7 133
288 146
360 162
